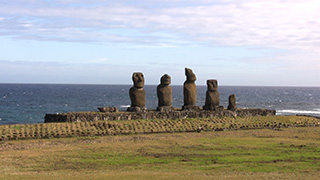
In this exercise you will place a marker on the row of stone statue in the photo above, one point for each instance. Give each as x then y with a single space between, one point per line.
164 93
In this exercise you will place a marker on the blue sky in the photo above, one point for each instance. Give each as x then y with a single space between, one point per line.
238 42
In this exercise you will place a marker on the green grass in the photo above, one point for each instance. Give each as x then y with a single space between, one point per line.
292 153
94 150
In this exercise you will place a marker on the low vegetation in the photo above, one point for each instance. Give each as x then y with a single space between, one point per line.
104 128
285 153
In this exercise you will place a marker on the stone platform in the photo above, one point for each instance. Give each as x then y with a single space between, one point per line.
153 114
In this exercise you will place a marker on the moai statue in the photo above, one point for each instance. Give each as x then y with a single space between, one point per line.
164 93
212 96
232 103
190 91
137 93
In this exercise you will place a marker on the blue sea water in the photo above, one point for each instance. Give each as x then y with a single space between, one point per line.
28 103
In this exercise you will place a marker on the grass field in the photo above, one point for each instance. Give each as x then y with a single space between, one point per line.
279 153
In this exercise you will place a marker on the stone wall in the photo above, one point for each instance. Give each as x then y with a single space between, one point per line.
151 114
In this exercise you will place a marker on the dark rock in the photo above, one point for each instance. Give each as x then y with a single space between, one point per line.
189 90
232 103
108 109
165 108
141 113
199 129
137 109
137 93
213 108
190 108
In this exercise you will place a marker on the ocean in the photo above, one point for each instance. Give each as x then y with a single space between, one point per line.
28 103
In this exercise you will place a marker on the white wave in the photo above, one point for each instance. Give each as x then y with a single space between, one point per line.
297 111
125 106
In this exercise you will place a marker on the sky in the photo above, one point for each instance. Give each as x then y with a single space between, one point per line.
237 42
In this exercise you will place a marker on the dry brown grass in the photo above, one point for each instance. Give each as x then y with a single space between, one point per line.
286 153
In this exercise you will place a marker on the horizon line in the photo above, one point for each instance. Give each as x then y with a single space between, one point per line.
154 84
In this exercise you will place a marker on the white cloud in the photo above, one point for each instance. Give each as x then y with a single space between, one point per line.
290 25
274 23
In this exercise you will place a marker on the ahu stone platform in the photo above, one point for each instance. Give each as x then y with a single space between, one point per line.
152 114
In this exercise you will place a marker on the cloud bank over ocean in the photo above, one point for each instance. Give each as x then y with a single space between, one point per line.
241 42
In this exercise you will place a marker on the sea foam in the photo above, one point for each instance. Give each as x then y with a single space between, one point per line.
297 111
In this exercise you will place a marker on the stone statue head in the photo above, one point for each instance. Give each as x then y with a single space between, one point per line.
212 85
138 80
190 75
165 80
